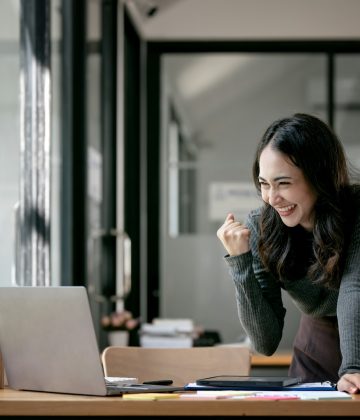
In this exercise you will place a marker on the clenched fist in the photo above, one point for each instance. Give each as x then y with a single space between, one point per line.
234 236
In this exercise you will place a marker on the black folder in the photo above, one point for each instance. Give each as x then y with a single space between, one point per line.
249 382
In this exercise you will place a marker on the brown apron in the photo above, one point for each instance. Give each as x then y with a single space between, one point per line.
316 352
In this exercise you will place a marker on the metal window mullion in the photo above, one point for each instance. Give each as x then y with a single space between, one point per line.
331 89
34 246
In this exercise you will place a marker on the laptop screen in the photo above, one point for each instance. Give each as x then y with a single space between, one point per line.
48 342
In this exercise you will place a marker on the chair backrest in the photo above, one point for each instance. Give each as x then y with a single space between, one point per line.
182 365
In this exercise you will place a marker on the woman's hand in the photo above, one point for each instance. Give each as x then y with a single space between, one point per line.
234 236
350 382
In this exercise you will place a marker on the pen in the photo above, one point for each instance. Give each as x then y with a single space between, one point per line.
159 382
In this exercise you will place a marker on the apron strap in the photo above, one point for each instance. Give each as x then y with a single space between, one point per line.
316 352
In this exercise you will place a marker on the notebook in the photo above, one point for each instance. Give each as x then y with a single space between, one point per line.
48 343
249 382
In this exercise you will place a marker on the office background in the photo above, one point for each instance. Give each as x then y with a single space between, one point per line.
155 110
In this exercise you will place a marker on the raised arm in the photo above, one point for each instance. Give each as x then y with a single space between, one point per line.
258 295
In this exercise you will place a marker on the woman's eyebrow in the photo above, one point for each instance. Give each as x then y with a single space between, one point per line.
278 178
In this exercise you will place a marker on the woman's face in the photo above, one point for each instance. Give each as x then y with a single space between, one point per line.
285 188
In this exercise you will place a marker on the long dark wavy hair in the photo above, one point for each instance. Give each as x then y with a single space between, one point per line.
314 148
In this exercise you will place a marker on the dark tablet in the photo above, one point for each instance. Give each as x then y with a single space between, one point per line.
229 381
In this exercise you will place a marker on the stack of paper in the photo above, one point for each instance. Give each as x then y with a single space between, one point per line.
167 333
303 391
268 395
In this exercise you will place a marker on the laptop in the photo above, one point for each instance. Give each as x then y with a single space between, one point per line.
48 343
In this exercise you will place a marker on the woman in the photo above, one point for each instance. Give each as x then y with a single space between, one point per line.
305 239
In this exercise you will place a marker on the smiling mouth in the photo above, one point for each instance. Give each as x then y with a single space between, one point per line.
285 211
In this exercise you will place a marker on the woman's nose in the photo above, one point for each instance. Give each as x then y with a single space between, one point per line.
273 196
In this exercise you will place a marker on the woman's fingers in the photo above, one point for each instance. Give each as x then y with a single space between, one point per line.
230 218
234 236
350 382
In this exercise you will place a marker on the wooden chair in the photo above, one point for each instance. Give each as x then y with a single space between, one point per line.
182 365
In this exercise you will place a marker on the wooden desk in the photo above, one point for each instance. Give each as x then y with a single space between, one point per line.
276 360
37 403
277 364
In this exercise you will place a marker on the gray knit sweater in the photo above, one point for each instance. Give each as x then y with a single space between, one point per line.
261 310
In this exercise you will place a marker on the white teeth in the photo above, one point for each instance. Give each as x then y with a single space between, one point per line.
286 208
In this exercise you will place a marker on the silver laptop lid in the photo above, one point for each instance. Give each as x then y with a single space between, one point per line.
48 342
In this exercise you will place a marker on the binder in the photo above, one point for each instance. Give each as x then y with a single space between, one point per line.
250 383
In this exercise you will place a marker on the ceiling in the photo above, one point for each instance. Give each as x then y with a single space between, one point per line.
204 84
245 19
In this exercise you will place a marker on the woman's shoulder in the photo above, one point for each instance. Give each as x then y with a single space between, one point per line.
253 218
255 213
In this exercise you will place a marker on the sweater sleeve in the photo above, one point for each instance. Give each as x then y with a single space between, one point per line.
348 306
258 295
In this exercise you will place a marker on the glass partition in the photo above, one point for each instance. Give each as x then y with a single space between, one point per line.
10 134
347 104
215 107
